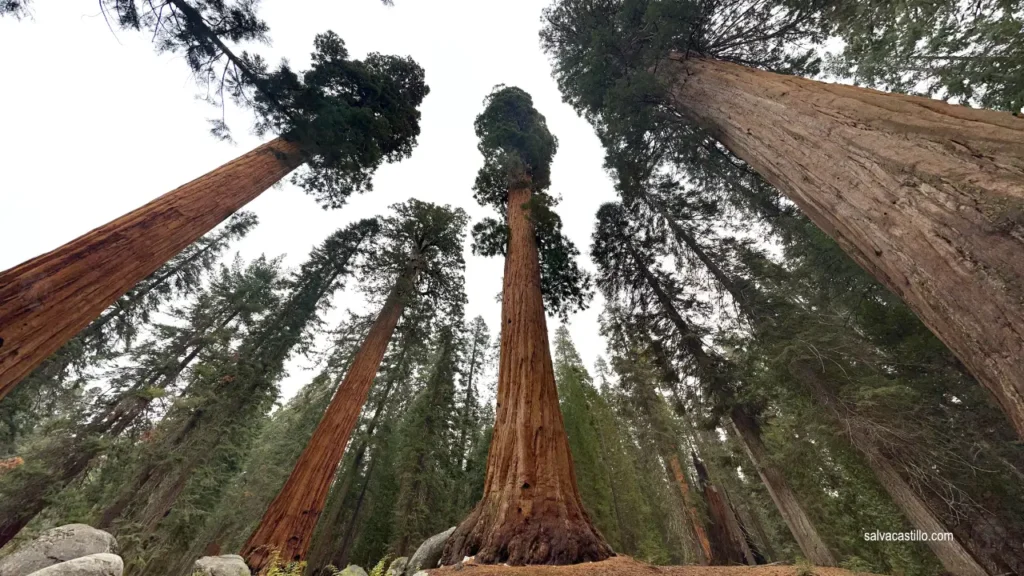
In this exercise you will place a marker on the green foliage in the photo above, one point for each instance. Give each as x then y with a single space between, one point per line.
968 52
518 150
349 116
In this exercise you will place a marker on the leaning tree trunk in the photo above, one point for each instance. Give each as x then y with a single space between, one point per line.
45 301
531 512
927 197
782 495
955 558
801 528
288 524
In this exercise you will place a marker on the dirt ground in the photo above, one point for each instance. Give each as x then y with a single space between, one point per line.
626 566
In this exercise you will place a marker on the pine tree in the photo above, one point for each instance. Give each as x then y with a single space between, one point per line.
418 261
341 135
531 511
921 209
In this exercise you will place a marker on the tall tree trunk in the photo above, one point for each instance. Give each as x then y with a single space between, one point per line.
811 544
348 539
698 523
785 500
319 552
287 526
45 301
531 512
728 542
952 554
926 196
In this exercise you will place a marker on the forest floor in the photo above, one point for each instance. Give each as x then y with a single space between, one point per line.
626 566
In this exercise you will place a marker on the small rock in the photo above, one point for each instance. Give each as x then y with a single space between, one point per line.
353 570
421 573
55 546
428 554
102 564
226 565
398 565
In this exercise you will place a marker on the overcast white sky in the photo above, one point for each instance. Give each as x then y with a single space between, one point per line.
95 125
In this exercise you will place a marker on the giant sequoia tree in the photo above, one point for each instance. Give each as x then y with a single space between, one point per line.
924 195
531 511
417 262
342 118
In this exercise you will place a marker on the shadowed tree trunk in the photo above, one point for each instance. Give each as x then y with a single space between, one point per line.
531 511
954 557
45 301
729 544
778 488
803 531
927 197
287 526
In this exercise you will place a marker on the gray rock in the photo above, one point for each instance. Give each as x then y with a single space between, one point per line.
352 570
103 564
397 567
421 573
55 546
226 565
428 554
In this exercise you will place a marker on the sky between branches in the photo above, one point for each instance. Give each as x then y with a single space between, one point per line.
97 124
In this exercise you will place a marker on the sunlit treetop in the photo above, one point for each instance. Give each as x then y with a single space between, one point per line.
518 150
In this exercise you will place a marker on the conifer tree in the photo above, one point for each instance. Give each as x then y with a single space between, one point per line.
215 420
71 444
531 511
417 261
921 209
626 264
44 391
341 119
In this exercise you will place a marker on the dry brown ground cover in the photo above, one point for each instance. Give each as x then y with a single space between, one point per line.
626 566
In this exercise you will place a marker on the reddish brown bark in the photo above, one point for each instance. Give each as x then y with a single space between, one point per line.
287 526
926 196
47 300
691 509
728 542
531 512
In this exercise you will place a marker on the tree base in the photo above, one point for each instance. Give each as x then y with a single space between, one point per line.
519 539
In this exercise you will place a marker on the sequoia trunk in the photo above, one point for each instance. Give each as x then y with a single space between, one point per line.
287 526
927 197
45 301
782 495
530 512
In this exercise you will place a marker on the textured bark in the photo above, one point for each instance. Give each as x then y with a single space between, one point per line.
785 500
531 512
954 557
926 196
691 509
728 542
287 526
45 301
